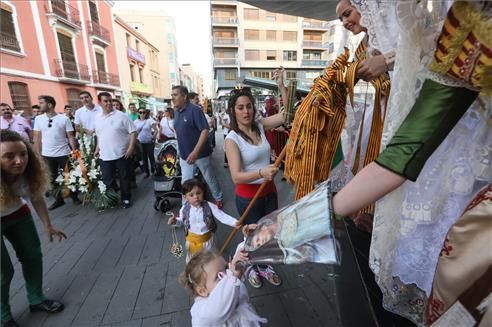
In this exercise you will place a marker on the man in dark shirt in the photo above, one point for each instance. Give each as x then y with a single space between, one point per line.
191 129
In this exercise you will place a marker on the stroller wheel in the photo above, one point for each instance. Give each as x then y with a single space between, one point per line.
156 204
164 205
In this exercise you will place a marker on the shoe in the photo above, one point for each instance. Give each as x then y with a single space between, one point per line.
76 201
10 323
269 274
254 278
56 204
49 306
126 204
219 204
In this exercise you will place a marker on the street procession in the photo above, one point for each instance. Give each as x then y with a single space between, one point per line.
225 163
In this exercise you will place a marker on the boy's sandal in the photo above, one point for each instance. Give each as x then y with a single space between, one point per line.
270 275
254 278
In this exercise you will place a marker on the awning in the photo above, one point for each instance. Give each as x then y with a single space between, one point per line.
269 85
316 9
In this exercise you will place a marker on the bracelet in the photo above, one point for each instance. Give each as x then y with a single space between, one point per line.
259 173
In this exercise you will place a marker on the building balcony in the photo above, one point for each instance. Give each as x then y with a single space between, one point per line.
9 42
314 63
61 12
99 33
225 62
229 21
225 42
314 44
140 88
307 25
135 55
72 71
102 77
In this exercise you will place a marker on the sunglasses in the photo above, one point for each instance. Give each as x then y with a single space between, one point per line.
141 112
50 122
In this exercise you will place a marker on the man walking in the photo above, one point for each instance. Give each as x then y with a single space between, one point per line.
68 110
192 133
85 116
52 134
14 122
116 139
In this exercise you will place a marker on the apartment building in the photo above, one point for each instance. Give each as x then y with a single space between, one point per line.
248 41
56 47
160 30
191 79
139 68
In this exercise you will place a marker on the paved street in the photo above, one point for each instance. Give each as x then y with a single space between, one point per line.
115 269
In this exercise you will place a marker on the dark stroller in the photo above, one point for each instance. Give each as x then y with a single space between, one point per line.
167 178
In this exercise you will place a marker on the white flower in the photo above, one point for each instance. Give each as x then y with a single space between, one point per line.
60 179
83 189
82 181
92 174
77 171
102 186
72 188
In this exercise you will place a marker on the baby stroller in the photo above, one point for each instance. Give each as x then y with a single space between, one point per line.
167 178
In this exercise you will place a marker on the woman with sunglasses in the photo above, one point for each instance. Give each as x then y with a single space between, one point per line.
146 129
248 154
23 175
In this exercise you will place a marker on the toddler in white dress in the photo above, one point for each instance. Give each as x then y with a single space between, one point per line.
221 298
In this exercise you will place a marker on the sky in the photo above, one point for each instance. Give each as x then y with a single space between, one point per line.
192 20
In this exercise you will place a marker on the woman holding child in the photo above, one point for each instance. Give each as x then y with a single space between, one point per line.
248 154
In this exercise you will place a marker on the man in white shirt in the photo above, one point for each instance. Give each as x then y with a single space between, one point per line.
116 139
85 116
53 133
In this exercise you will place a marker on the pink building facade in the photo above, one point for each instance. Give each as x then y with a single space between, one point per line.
57 48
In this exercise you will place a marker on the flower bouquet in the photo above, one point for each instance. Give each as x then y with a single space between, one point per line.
83 174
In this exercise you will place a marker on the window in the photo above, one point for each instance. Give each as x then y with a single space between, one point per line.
312 75
128 40
313 37
291 75
20 96
271 35
231 54
73 97
289 19
290 36
271 55
8 39
251 14
137 45
251 34
100 62
331 47
93 11
69 63
290 55
225 34
311 55
140 75
132 73
271 17
252 54
230 75
261 74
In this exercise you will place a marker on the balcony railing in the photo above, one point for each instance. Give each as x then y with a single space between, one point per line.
9 41
70 69
313 44
226 41
65 11
232 20
135 55
225 62
314 62
103 77
316 25
140 88
98 31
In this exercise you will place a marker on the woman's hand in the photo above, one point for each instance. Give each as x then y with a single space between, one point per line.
372 67
278 75
268 172
55 232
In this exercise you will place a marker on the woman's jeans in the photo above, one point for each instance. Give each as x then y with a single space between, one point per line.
148 155
22 234
262 207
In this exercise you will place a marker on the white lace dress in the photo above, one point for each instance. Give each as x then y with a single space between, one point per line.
410 224
227 305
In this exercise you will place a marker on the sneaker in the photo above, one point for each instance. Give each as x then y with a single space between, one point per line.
49 306
253 278
269 274
126 204
219 204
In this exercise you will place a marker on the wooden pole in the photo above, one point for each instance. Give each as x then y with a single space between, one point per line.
251 203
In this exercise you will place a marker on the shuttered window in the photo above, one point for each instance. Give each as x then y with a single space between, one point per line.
8 38
100 62
70 68
93 10
20 96
73 98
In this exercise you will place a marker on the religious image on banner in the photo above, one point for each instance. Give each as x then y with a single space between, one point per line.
299 232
